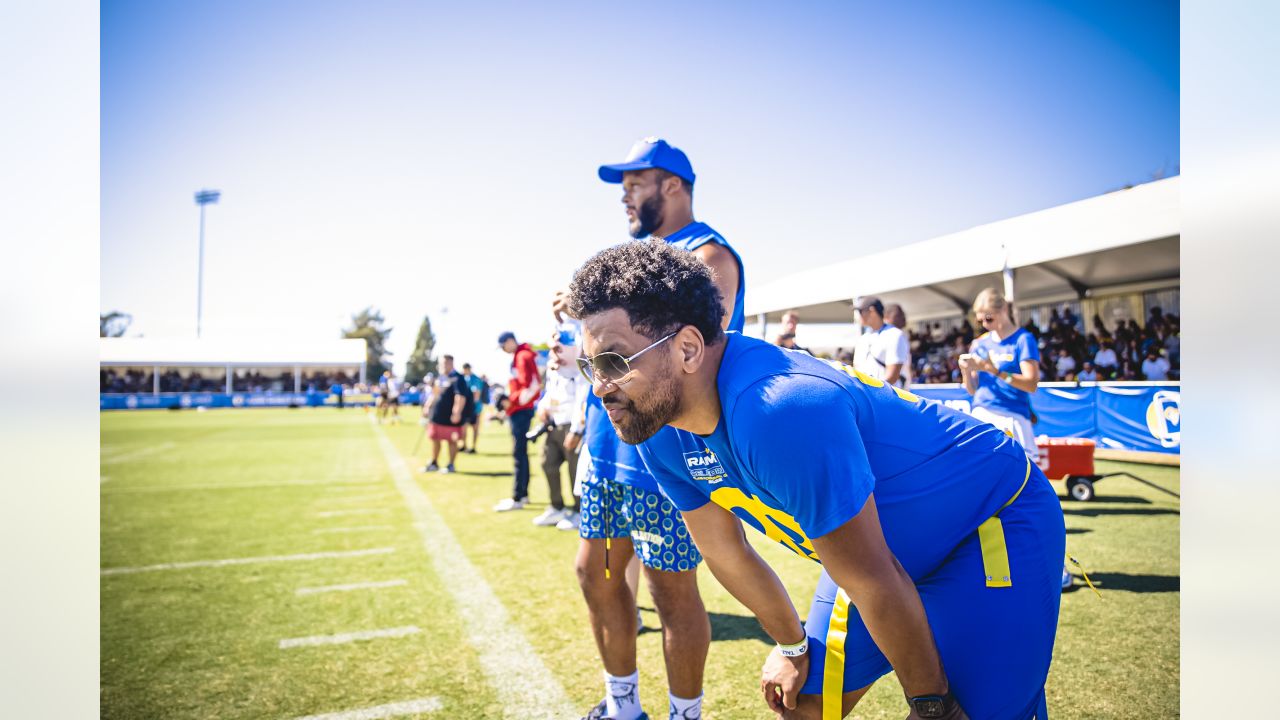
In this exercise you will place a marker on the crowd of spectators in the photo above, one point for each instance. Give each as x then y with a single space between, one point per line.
936 351
129 380
253 381
322 380
172 380
1126 351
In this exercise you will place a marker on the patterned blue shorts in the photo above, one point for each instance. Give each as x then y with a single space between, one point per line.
660 538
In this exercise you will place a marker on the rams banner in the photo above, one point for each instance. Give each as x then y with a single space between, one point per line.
1118 416
223 400
1121 416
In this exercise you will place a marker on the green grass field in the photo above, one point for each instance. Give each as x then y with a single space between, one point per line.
204 641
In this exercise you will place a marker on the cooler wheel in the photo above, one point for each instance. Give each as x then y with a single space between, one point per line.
1080 488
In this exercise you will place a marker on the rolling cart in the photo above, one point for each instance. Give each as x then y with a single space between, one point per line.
1071 460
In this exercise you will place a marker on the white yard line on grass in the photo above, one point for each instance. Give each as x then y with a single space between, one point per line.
356 511
342 638
352 586
378 712
524 685
136 454
247 561
358 528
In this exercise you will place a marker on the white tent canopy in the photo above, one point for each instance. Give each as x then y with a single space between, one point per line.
240 353
232 354
1124 238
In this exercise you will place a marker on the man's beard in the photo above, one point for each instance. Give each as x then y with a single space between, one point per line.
648 217
661 406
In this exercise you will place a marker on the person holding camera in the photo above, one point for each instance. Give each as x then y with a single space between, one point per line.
523 390
560 420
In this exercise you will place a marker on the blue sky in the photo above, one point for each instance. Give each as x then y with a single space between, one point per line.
416 156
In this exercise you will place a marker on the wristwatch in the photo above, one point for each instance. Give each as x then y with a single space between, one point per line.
932 706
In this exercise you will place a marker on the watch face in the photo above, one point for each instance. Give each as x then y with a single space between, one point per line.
929 707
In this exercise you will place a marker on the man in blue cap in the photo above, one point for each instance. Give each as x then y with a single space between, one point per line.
623 511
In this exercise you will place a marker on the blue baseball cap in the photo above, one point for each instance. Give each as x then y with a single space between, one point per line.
650 152
508 335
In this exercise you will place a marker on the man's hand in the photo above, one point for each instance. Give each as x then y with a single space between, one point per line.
571 442
781 680
455 418
560 305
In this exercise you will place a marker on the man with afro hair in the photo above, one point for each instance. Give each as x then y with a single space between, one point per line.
940 542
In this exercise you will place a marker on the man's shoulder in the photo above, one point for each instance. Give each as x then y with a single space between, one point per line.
892 333
764 374
695 235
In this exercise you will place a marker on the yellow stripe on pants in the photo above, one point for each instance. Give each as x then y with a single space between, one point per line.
833 669
995 554
995 562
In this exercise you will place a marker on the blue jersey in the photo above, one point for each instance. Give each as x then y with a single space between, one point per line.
1007 354
610 457
802 443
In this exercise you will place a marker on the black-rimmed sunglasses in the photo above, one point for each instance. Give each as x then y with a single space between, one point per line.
612 366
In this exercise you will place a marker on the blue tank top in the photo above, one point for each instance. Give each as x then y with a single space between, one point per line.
695 235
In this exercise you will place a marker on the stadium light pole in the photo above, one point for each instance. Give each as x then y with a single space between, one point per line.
203 197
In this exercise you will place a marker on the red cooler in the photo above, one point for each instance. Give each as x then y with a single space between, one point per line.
1070 459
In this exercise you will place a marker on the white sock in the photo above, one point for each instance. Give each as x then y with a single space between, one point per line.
682 709
622 696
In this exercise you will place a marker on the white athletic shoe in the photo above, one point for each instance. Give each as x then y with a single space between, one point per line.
571 521
1067 578
549 517
507 504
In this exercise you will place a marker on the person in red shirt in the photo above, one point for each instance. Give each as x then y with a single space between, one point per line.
523 388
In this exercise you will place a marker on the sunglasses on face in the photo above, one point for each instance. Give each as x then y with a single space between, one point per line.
611 366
